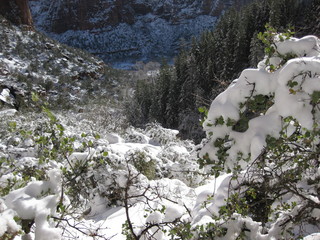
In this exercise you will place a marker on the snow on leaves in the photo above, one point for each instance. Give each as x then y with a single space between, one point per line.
264 130
292 90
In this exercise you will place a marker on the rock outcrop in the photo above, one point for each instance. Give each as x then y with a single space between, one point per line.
17 11
94 14
122 30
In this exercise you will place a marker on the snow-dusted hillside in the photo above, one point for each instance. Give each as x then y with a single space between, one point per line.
30 61
149 38
127 30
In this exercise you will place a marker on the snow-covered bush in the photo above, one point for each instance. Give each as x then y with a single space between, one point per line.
96 173
264 131
8 226
136 136
160 135
36 203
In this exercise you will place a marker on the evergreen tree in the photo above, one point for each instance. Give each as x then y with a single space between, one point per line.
174 103
218 56
311 24
161 91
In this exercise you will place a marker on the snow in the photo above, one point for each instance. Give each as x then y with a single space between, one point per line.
314 236
80 158
28 203
290 100
7 223
114 138
303 69
123 148
8 112
6 97
299 102
213 196
303 47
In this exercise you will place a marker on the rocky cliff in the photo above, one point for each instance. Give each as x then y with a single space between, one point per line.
123 30
17 11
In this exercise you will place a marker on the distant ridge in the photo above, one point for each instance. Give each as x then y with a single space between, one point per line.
128 30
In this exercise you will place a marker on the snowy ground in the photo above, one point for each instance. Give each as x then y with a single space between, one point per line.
174 159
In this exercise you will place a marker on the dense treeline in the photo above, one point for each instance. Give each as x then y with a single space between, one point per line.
200 73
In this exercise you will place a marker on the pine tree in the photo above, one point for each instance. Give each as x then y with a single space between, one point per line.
218 56
311 24
161 91
174 103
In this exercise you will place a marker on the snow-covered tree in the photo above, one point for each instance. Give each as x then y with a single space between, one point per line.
263 136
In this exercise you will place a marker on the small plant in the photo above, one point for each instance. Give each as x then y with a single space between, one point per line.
144 164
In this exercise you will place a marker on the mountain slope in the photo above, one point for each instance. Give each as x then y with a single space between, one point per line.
127 30
31 62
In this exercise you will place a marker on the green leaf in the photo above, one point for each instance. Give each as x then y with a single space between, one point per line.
315 97
49 114
12 126
231 122
219 121
105 154
292 84
34 97
292 91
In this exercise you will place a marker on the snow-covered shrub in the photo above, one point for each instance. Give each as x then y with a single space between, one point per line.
159 135
29 186
36 203
264 130
179 161
143 163
136 136
99 116
8 225
42 178
97 174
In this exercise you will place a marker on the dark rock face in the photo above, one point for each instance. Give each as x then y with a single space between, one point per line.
122 30
91 14
17 11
